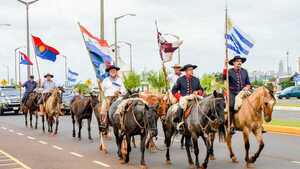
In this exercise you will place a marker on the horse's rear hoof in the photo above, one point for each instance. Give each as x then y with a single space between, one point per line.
144 167
168 162
234 159
212 157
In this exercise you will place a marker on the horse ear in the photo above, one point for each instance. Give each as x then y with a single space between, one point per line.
215 93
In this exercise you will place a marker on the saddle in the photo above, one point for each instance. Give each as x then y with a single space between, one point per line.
239 99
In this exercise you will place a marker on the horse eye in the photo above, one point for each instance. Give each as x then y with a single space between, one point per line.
266 104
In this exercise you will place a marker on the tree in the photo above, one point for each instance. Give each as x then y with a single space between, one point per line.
286 83
257 83
4 82
157 80
82 88
211 82
132 80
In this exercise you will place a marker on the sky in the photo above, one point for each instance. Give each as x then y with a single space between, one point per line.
272 24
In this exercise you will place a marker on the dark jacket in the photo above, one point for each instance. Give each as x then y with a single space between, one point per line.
186 86
237 80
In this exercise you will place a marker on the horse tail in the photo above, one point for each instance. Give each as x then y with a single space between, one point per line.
222 133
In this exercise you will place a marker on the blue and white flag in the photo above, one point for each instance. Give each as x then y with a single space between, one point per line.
237 41
72 76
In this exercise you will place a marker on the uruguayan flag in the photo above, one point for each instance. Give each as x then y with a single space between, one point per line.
237 41
72 76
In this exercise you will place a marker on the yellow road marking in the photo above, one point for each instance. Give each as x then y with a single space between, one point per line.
15 160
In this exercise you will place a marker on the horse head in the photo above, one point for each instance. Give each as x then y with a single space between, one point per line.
151 119
268 102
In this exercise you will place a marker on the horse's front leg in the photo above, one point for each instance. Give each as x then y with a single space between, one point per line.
118 142
89 128
211 152
196 152
188 144
36 120
25 116
73 122
208 145
128 138
43 121
56 124
168 140
143 147
79 128
182 142
30 118
259 139
247 145
229 146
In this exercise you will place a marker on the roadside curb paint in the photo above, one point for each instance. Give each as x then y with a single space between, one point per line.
282 129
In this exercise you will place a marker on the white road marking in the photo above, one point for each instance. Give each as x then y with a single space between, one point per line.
296 162
17 162
56 147
31 138
102 164
4 128
20 134
42 142
76 154
11 130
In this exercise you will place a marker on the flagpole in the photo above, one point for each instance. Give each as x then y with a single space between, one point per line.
227 70
19 60
36 61
162 62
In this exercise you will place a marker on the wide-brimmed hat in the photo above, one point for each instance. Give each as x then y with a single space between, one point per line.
176 66
112 67
236 58
188 66
48 74
31 77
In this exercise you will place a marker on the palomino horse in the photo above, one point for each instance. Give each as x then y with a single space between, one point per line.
53 109
134 117
249 119
82 108
31 107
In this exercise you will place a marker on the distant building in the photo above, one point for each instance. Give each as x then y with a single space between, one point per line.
280 69
299 65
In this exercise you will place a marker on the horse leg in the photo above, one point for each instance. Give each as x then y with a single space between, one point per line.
79 128
259 139
25 116
247 145
43 121
128 138
36 120
73 122
30 118
168 139
182 142
143 147
133 142
229 146
208 145
196 152
89 128
56 125
188 152
118 142
211 152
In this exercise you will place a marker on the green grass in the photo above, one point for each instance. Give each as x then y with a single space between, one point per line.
289 123
288 104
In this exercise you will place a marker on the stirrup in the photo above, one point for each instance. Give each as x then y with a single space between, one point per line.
180 126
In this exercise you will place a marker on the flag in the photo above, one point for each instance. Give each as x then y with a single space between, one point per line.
25 60
72 76
43 50
99 51
237 41
166 49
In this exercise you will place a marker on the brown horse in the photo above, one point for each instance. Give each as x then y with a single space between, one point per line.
31 107
249 119
53 109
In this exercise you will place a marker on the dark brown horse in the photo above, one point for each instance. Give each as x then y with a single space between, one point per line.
31 107
249 119
82 108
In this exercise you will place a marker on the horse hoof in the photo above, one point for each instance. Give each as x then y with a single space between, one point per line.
144 167
192 166
234 159
250 165
212 157
202 167
168 162
123 162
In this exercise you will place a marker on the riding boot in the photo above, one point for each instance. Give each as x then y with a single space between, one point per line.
232 125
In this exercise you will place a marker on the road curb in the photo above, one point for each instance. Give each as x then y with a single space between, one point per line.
283 129
286 108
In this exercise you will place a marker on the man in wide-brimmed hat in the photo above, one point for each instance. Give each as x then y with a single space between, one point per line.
238 80
186 85
172 78
47 86
30 85
113 87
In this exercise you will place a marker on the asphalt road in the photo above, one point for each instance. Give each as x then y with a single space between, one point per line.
286 115
43 151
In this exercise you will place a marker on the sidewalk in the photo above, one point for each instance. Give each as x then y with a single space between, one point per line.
287 108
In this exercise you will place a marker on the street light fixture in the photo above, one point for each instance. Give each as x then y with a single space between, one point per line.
176 37
130 47
66 67
27 4
116 38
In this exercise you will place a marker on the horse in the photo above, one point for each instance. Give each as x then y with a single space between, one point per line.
82 108
134 117
53 109
31 107
249 119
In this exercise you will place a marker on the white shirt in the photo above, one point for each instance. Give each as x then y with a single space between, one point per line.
48 86
172 78
111 86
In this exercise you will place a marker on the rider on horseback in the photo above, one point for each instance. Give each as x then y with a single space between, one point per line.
186 85
238 81
113 87
30 85
48 85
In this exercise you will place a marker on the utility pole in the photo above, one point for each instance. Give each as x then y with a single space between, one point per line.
27 4
102 19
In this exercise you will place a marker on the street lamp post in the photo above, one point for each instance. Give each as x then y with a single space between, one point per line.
177 37
27 4
66 71
16 69
116 38
130 47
